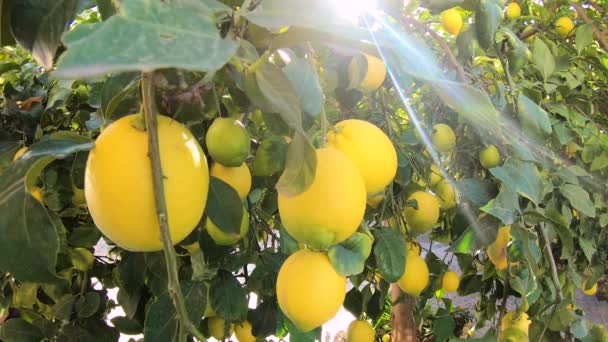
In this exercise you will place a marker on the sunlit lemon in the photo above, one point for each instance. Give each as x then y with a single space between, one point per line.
227 141
375 72
119 188
238 177
513 319
564 26
451 20
450 281
424 217
415 276
513 11
243 332
489 157
360 331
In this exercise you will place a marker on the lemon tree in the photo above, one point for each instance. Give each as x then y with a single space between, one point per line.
248 170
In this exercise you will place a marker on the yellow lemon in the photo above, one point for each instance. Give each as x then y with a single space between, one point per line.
426 216
37 194
446 194
227 141
443 138
243 332
374 75
237 177
451 21
386 338
332 208
415 275
450 281
360 331
513 11
489 157
435 175
564 26
370 149
19 153
412 246
591 291
225 239
119 189
497 251
217 328
519 321
309 290
514 335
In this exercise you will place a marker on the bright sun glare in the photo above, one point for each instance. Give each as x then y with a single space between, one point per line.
352 10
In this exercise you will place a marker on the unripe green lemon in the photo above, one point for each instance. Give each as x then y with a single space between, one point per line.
443 138
489 157
227 141
217 328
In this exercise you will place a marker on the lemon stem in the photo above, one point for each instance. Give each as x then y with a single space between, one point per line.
174 288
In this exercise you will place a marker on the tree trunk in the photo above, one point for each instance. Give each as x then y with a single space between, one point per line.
402 318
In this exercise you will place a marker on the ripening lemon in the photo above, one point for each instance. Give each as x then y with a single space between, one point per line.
489 157
415 276
446 194
374 75
443 138
78 198
450 281
217 328
497 251
360 331
226 239
564 26
119 189
451 21
370 149
19 153
309 290
332 208
571 149
426 216
243 332
513 11
591 291
237 177
519 321
227 141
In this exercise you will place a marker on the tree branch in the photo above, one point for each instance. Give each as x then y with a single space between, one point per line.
174 288
528 34
600 36
444 45
549 252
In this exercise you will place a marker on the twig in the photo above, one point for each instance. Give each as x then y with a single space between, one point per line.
444 45
599 35
549 252
174 288
529 33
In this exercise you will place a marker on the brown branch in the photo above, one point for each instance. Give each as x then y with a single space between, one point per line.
529 33
600 36
444 45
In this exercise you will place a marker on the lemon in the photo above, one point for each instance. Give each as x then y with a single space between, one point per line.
19 153
370 149
489 157
360 331
415 275
514 335
435 175
119 189
226 239
374 75
519 321
237 177
446 194
591 291
497 251
227 141
37 194
412 246
513 11
571 149
332 208
386 338
243 332
78 198
443 138
426 216
217 328
451 21
564 26
309 290
450 281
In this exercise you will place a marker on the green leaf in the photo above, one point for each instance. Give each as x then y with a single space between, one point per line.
443 328
579 199
161 319
127 326
6 9
147 35
579 328
224 206
228 297
584 37
38 26
588 247
87 305
438 6
275 14
264 318
534 119
543 59
389 251
505 206
600 162
476 236
270 156
306 84
106 8
277 89
117 89
487 18
19 330
300 166
521 177
348 257
353 302
84 236
475 191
